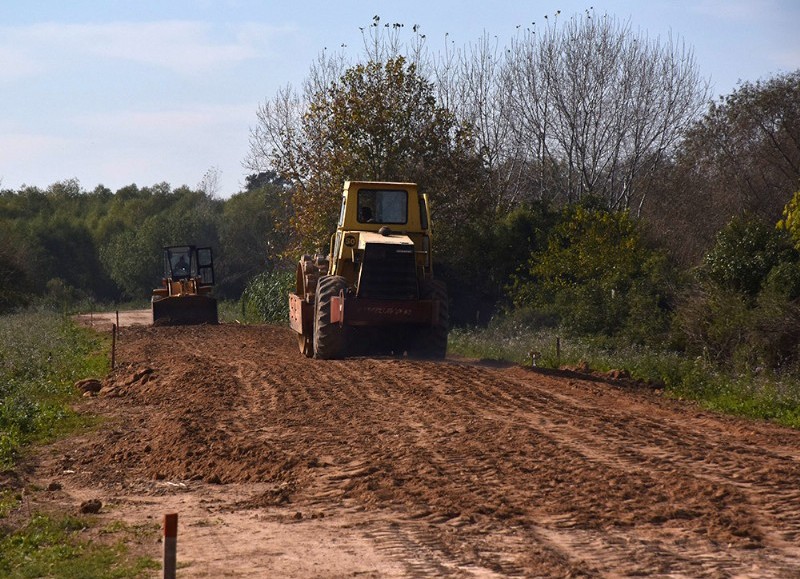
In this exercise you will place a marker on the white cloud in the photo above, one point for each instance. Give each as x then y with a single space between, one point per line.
20 148
735 10
158 124
185 47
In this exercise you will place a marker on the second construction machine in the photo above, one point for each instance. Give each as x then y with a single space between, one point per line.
375 290
185 293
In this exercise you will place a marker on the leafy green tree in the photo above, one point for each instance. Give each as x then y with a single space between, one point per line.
133 260
490 251
62 248
379 120
596 275
15 289
133 255
254 232
746 251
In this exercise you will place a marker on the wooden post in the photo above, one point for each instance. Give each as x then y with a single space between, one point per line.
113 345
170 545
118 318
558 350
534 357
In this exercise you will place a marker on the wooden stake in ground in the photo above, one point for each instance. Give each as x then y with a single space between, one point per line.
113 345
170 545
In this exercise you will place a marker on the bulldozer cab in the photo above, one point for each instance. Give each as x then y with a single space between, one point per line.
189 262
381 217
367 206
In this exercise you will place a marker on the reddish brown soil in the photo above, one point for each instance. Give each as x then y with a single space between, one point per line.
280 465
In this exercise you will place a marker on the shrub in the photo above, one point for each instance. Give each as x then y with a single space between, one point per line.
596 276
711 323
266 297
745 252
773 337
745 307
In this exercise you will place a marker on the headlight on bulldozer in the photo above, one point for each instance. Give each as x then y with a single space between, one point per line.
350 240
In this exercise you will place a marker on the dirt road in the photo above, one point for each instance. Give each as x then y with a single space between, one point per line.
283 466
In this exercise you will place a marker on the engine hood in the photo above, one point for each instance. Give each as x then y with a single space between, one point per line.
366 237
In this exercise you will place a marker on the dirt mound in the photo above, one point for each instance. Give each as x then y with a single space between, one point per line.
438 468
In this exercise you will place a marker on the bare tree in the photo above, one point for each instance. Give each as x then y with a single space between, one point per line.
471 83
597 108
577 107
286 125
383 42
209 184
279 136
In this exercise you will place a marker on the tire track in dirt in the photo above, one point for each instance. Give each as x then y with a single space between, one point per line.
418 553
569 436
449 469
727 466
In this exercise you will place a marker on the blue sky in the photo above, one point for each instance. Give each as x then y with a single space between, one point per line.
117 92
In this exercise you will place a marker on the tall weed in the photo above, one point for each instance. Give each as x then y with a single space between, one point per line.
266 297
41 355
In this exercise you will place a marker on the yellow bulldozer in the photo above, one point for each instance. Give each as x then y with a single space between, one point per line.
375 290
185 293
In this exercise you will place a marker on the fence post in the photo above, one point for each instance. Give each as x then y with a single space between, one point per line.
170 545
113 345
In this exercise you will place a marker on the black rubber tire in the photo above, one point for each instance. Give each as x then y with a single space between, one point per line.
432 342
330 340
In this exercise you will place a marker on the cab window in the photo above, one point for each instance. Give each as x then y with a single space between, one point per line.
383 206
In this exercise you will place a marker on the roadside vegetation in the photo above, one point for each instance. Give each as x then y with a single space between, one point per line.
725 333
42 355
54 546
756 395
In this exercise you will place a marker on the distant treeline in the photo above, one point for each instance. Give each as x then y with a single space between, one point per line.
65 243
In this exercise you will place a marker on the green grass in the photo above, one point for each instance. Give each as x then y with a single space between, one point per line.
54 547
10 499
765 397
757 396
42 355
